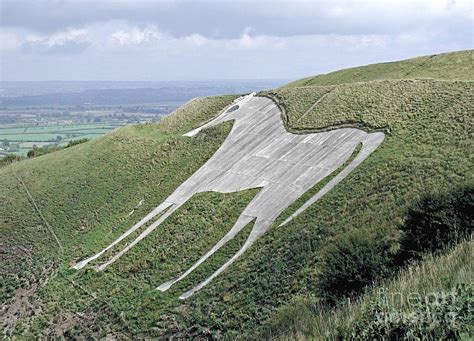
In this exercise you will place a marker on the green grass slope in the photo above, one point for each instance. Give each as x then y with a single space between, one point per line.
86 195
449 66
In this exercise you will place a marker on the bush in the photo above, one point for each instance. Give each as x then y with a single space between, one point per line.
436 222
356 259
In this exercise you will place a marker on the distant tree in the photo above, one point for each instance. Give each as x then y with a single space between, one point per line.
31 153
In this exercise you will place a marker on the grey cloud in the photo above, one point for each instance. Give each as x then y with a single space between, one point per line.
170 40
225 19
67 48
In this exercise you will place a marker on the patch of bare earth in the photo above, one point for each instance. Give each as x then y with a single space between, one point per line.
25 305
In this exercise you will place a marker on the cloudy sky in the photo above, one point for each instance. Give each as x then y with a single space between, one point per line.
238 39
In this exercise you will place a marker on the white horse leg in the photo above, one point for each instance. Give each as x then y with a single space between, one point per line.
147 218
369 144
145 233
260 227
241 222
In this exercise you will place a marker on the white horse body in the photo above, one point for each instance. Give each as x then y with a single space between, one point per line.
258 153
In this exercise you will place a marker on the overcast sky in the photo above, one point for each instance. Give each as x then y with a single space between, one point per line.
201 40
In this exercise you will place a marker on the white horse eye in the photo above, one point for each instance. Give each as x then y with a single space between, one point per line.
233 108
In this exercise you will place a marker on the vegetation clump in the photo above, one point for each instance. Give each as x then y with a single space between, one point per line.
10 158
76 142
442 315
436 222
355 260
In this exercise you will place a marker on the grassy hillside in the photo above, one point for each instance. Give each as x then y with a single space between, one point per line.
88 194
378 105
449 66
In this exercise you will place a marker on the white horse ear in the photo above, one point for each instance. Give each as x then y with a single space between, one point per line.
224 115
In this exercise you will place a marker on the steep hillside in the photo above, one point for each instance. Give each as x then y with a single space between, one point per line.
64 206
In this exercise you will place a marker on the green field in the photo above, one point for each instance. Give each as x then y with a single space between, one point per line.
85 193
23 137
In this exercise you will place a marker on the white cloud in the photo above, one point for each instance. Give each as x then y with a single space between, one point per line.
70 41
9 40
129 36
59 38
135 36
197 39
248 41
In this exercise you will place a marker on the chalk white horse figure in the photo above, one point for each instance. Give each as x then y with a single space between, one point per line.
258 153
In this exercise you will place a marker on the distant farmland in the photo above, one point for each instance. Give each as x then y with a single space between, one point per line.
20 138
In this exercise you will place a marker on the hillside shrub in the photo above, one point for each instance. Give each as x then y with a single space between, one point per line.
436 222
354 260
10 158
442 316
